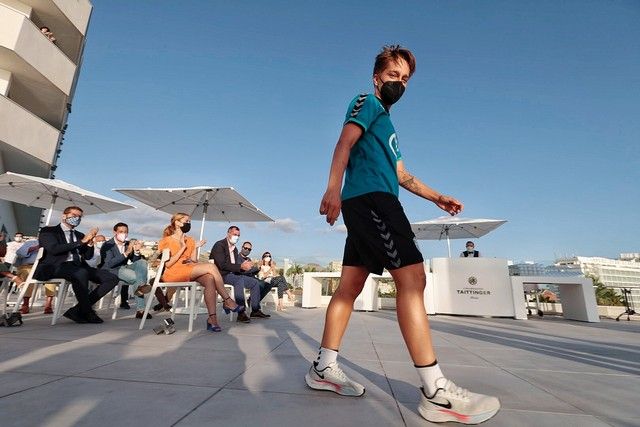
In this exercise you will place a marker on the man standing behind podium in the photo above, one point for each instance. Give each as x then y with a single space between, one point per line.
470 252
65 252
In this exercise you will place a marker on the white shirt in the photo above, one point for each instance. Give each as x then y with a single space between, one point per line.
66 228
119 245
12 248
231 253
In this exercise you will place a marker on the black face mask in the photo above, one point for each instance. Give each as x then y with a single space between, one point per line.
391 91
186 227
245 252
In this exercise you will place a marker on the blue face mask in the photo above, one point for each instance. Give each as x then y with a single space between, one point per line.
73 221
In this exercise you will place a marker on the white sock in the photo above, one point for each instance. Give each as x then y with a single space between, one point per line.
429 375
326 356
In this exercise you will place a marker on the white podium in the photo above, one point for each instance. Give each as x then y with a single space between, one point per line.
473 286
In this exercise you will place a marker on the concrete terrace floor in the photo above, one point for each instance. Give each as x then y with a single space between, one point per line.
546 372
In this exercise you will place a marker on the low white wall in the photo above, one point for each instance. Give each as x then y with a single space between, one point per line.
18 7
5 82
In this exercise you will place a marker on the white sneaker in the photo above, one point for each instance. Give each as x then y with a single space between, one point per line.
333 379
453 403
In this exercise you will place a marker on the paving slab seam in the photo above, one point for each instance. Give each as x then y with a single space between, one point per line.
79 376
540 387
527 381
395 399
565 352
529 411
33 387
564 371
223 387
324 394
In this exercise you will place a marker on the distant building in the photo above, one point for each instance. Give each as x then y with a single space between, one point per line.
149 248
615 274
38 76
536 269
631 256
335 266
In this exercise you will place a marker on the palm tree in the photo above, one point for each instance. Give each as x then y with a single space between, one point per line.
295 271
604 295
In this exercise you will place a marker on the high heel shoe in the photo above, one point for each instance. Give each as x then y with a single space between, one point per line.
213 328
238 309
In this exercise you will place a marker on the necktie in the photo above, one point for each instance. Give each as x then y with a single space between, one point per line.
74 252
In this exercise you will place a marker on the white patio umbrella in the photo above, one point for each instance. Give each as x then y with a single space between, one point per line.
451 227
211 203
54 194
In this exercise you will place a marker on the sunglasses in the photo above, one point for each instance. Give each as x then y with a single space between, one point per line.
246 248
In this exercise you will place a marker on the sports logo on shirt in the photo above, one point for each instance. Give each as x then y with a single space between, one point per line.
393 144
358 105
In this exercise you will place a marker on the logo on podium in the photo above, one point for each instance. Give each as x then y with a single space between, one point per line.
472 280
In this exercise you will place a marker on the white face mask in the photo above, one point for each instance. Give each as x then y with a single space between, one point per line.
267 259
469 249
234 239
99 245
122 237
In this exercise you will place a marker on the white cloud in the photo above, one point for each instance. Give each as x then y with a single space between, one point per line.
144 222
340 228
286 225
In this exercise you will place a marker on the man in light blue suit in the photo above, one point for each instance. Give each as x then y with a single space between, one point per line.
122 258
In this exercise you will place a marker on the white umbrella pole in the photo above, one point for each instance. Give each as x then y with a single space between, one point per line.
53 202
204 217
449 244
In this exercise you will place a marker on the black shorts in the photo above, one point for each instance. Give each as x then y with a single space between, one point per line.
379 234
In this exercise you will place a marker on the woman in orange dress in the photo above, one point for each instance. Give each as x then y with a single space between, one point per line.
183 266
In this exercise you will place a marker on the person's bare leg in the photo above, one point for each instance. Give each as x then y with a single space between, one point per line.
210 296
216 280
339 311
412 316
325 372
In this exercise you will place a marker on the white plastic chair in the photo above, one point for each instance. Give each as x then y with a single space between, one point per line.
5 287
230 291
61 294
192 288
112 297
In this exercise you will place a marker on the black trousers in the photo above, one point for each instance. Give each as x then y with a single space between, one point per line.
79 276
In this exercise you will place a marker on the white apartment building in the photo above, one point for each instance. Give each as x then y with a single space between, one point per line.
612 273
37 83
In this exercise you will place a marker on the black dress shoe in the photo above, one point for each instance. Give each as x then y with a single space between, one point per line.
259 314
92 317
125 305
242 317
74 314
140 313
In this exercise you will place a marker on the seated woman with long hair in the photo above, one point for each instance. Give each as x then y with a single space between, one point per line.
269 273
183 266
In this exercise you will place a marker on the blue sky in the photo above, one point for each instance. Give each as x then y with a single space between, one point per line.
525 111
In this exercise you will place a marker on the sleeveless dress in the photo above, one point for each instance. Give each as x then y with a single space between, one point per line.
178 272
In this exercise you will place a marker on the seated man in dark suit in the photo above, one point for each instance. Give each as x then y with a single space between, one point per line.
65 251
232 268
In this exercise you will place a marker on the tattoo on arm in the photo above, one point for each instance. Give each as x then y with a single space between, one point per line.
408 181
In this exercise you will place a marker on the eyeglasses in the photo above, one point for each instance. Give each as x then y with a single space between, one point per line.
246 248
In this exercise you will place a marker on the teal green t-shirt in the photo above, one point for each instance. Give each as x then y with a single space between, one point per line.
372 161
